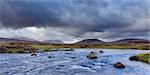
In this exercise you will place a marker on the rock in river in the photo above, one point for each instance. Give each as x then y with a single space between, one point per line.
34 54
92 55
49 56
101 51
119 65
134 58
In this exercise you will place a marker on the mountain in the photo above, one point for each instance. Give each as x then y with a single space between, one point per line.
16 40
9 40
53 41
90 41
24 38
131 40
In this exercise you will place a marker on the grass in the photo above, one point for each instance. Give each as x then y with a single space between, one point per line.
45 47
48 47
15 50
144 57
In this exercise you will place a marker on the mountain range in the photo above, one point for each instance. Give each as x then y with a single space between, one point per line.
85 41
13 40
53 41
132 40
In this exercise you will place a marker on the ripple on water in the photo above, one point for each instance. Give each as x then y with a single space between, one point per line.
72 63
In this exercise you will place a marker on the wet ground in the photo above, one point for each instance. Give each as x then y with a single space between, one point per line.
73 63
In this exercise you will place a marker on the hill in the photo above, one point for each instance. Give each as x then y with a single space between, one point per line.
16 40
53 41
131 40
90 41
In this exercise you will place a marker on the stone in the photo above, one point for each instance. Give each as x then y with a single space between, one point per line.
134 58
119 65
101 51
34 54
49 56
92 55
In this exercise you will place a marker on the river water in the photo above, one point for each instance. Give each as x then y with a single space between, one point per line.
73 63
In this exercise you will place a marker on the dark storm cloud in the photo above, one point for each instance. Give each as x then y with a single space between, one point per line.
115 16
20 14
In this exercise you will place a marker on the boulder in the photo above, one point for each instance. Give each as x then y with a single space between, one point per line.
119 65
134 58
68 53
72 57
92 55
34 54
101 51
49 56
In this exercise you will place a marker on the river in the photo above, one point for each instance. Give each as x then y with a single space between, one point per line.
73 63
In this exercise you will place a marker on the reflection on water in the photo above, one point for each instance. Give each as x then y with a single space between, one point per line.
72 63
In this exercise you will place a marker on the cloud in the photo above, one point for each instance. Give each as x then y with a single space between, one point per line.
40 33
105 19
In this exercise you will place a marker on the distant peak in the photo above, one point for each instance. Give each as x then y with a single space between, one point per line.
90 41
53 41
132 40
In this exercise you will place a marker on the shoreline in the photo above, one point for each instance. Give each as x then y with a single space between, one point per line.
70 49
18 47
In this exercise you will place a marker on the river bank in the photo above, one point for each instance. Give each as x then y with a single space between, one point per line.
33 47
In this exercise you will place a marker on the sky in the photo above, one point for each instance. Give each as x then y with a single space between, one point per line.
74 20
